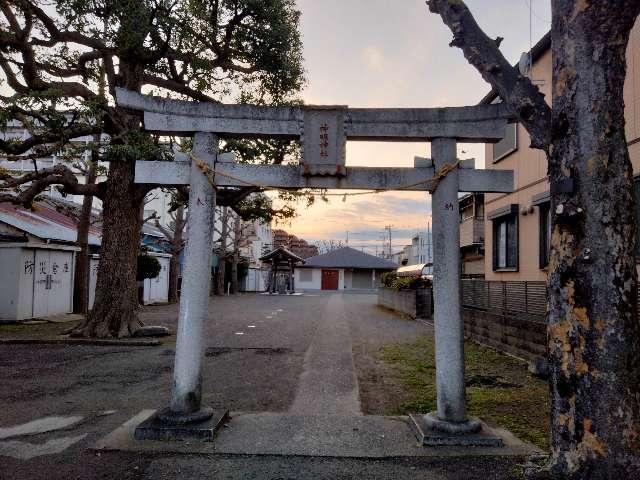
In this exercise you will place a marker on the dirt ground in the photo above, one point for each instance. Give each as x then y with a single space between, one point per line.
256 354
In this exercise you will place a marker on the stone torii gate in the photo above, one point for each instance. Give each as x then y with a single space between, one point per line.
323 132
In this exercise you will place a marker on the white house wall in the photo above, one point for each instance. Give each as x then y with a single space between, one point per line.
314 284
19 274
9 284
26 270
255 281
156 290
316 280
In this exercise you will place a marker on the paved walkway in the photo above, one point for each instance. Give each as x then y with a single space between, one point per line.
329 384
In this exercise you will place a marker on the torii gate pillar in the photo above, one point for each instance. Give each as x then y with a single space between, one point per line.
449 425
185 418
449 328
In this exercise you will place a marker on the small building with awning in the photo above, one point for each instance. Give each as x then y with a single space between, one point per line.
342 269
418 270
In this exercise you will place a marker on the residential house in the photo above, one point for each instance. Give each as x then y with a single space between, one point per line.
472 235
342 269
517 225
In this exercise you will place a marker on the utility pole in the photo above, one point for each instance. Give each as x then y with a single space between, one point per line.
388 229
347 238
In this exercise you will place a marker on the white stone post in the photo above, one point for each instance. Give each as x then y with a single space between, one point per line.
196 281
449 329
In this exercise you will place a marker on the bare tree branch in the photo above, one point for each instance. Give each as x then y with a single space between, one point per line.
38 181
517 91
12 147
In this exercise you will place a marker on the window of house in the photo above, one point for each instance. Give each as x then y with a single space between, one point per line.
545 233
505 238
306 275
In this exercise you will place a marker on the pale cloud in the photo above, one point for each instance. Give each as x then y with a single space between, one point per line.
373 58
377 53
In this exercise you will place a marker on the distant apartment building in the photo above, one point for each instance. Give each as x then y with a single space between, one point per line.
403 257
257 239
421 248
296 245
518 225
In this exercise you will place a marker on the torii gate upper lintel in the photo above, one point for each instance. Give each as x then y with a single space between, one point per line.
323 132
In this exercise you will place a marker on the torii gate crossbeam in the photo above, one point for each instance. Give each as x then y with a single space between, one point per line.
323 132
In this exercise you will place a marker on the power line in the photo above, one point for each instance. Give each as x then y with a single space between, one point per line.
532 12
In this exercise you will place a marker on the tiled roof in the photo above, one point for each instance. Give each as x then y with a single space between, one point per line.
348 257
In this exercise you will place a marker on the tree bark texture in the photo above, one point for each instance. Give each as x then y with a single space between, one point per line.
176 249
222 255
81 274
115 310
593 330
237 233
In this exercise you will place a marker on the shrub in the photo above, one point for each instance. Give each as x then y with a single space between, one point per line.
148 267
391 280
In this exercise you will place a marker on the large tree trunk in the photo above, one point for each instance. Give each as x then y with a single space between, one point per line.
115 310
237 232
176 249
81 274
593 329
222 256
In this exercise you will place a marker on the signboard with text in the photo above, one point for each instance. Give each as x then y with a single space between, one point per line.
324 141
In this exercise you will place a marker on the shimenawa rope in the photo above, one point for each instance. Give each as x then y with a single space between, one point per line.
210 173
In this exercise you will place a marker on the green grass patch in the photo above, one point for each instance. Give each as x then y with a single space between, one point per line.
500 389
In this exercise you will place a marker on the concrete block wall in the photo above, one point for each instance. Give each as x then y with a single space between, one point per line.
526 339
415 303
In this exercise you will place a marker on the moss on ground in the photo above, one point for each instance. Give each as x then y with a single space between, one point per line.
500 389
21 331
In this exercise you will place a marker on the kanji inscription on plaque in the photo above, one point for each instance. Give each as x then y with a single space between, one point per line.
324 141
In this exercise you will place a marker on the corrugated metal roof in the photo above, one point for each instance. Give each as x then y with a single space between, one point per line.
417 270
348 257
44 222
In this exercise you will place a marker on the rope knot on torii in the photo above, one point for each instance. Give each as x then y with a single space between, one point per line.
323 132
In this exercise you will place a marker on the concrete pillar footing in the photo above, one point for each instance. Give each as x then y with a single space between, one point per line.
430 431
167 426
433 422
170 417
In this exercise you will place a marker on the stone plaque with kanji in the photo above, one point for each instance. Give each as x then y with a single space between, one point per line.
324 141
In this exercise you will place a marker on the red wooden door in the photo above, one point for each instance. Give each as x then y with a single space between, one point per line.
330 279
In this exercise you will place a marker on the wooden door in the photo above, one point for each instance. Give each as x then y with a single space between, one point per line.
330 279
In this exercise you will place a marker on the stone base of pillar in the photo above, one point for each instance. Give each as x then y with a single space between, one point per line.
431 431
169 426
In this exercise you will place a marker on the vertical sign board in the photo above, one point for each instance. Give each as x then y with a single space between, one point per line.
324 142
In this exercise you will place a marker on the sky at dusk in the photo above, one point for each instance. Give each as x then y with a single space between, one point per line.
384 53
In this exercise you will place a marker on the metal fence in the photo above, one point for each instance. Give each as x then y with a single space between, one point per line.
524 300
